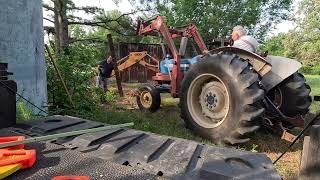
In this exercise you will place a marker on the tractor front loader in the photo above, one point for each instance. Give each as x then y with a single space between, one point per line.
226 93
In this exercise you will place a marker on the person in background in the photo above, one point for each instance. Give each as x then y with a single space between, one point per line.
242 40
105 69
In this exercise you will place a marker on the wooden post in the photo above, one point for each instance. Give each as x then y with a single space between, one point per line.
115 64
310 159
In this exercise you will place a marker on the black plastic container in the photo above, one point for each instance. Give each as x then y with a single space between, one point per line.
8 89
4 71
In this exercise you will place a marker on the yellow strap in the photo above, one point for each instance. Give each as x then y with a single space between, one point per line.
6 171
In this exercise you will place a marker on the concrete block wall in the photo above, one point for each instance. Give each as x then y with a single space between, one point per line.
22 46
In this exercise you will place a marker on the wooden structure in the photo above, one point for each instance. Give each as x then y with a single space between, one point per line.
310 159
138 58
136 72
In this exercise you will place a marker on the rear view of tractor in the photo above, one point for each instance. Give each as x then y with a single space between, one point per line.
226 93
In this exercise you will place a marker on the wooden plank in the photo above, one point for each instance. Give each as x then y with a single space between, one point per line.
304 153
310 162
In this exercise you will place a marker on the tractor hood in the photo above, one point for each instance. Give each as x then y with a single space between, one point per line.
282 68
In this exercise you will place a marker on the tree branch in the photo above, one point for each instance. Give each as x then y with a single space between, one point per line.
133 12
86 9
88 23
47 7
105 21
48 19
73 40
49 29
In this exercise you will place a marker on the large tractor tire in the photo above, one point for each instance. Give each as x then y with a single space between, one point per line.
148 98
292 96
221 99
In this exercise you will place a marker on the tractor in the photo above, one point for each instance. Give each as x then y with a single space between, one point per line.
226 93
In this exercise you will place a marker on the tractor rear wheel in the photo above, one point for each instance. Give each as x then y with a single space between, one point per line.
221 99
148 98
292 96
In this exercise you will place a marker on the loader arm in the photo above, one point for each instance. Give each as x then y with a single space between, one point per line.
134 58
157 25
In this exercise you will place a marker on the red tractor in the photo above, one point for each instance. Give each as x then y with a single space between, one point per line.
226 93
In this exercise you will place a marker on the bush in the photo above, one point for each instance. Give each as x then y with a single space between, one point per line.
23 112
77 66
310 70
106 97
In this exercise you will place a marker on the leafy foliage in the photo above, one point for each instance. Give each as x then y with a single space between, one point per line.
275 45
106 97
216 18
303 43
121 27
78 66
311 70
23 112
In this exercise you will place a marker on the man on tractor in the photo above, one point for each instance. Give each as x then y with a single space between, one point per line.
242 40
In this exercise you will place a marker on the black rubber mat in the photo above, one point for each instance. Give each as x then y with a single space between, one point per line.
55 160
149 153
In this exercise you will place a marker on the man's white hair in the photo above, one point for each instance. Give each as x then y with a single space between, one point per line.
240 30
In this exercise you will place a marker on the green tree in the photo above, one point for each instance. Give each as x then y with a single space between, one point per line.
275 45
304 42
121 27
216 18
62 16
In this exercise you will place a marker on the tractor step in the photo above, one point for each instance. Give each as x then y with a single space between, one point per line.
150 154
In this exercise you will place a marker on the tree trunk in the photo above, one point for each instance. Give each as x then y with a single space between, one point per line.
61 25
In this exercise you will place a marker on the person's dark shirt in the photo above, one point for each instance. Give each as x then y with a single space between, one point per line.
106 69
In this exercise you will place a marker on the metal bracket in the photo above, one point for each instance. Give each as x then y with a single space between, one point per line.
288 136
275 124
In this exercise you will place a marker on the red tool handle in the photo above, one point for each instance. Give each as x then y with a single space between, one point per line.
11 139
25 157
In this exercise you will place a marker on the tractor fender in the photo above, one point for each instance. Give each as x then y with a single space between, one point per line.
282 68
258 63
272 69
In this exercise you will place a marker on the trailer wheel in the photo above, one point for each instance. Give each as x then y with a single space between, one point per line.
292 96
149 98
221 99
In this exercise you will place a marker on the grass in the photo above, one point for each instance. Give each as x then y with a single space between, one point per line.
314 82
167 121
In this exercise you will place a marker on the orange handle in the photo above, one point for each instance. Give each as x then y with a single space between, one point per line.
11 139
25 157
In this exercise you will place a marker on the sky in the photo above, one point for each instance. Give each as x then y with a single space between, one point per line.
124 6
